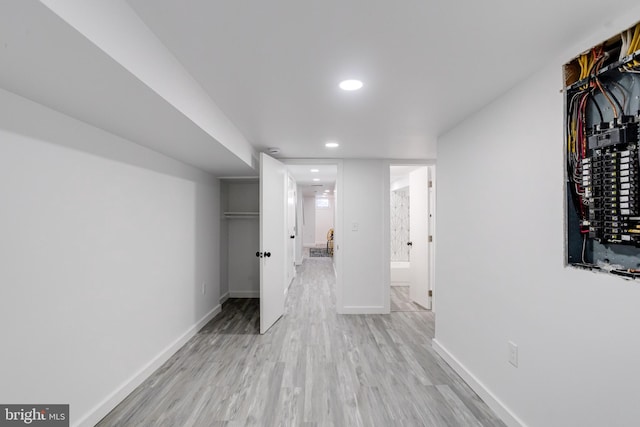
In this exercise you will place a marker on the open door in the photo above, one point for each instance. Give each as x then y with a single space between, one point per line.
273 240
419 232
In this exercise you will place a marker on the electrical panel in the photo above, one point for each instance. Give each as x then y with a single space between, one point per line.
602 117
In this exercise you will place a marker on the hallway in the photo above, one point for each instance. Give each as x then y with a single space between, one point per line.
313 367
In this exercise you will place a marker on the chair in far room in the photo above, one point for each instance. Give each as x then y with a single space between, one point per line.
330 242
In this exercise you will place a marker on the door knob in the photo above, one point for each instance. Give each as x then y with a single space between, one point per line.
267 254
409 243
292 236
259 254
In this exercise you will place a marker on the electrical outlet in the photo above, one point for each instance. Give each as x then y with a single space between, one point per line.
513 353
204 288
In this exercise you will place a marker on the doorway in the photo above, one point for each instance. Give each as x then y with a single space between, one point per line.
411 224
319 211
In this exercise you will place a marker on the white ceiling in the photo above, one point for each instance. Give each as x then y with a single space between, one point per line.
326 177
402 171
44 59
273 69
274 66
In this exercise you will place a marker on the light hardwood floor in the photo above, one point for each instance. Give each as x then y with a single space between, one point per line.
401 301
313 368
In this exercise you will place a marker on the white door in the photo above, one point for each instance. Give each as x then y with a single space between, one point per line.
419 235
273 240
291 232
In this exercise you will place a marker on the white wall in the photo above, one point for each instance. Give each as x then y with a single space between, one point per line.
309 225
365 251
500 272
400 183
324 221
243 239
223 244
105 246
299 226
244 266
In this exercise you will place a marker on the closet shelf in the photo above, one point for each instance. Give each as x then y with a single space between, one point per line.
236 215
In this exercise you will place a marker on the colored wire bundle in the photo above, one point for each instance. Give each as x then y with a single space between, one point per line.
580 119
630 45
577 145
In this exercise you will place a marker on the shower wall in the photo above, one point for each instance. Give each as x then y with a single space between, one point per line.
400 224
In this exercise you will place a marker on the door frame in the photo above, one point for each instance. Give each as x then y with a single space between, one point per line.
432 230
432 208
338 226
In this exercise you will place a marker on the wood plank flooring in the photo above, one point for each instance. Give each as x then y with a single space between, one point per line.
313 368
401 301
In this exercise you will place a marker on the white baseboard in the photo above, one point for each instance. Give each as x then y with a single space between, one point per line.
224 297
286 289
507 416
112 400
244 294
352 309
400 284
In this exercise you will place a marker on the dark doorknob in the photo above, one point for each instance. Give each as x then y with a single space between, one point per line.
409 243
259 254
267 254
292 236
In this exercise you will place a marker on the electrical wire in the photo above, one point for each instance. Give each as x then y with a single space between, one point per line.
623 91
583 108
615 99
630 40
613 106
595 103
625 36
634 45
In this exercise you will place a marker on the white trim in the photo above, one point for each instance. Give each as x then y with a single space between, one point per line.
432 231
386 236
430 163
244 294
357 309
93 416
286 289
224 297
507 416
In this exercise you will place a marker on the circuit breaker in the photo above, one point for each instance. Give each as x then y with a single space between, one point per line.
602 118
610 183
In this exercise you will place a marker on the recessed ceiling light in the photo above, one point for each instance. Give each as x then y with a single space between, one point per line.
315 170
316 179
331 145
351 85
